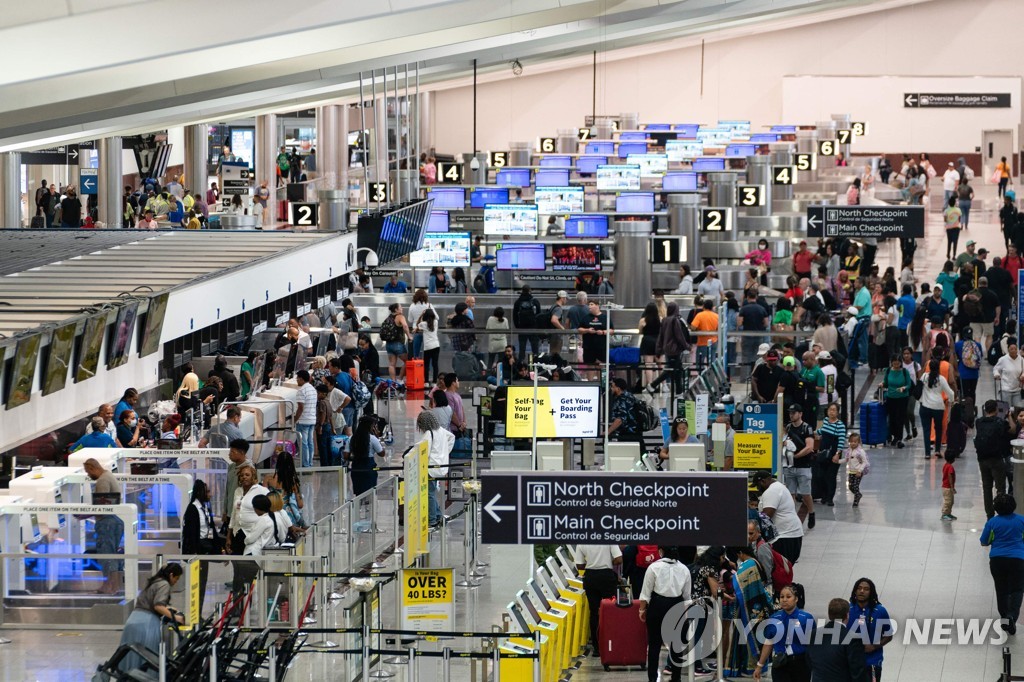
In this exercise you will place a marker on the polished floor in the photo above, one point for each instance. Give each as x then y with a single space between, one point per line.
924 567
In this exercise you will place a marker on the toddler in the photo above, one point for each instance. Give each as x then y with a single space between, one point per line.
948 488
856 465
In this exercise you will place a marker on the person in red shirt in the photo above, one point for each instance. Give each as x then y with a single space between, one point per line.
1012 263
948 488
803 261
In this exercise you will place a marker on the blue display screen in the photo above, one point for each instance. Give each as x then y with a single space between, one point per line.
632 136
549 177
556 162
589 164
709 163
600 148
635 202
479 198
448 197
657 126
687 129
764 138
521 257
784 130
587 226
513 177
627 148
741 150
438 221
679 182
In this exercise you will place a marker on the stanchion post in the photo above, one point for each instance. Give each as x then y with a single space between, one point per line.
272 664
162 670
496 663
536 660
413 675
213 660
446 663
367 621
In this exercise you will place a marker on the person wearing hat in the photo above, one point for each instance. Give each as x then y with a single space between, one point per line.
950 179
796 469
967 256
979 264
936 305
776 503
711 287
554 321
791 385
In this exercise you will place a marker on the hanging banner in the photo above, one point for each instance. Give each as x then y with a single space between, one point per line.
416 491
564 411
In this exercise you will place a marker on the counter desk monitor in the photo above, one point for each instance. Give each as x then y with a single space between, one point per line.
764 138
556 161
605 147
686 129
588 164
513 177
575 257
709 163
481 196
438 221
740 150
588 226
632 136
714 136
736 126
651 165
618 177
683 150
442 250
685 181
448 197
518 219
558 200
635 202
551 177
783 130
520 257
627 148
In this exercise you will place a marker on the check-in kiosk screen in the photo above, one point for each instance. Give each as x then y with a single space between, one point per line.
557 161
572 257
26 357
741 150
58 359
709 163
635 202
513 177
587 226
510 219
442 250
589 164
621 177
89 352
520 257
679 182
683 150
651 165
154 324
121 334
558 200
448 197
438 221
480 197
551 177
603 147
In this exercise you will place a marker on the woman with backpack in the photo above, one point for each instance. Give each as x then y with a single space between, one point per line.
394 330
897 383
969 354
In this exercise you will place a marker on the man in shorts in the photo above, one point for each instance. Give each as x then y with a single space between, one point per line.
797 476
594 332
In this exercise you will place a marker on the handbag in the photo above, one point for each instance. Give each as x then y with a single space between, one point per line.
780 661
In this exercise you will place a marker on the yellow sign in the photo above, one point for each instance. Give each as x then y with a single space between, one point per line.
428 599
193 592
752 451
564 411
416 491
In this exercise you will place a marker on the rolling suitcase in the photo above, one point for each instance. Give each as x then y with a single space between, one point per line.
874 427
622 635
414 374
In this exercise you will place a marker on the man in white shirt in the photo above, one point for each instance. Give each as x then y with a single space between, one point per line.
950 179
1008 373
106 411
711 286
599 579
667 585
305 416
830 394
777 504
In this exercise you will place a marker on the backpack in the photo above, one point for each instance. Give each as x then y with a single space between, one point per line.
995 351
646 555
480 284
360 394
527 314
647 418
990 437
970 354
766 527
972 304
782 571
389 331
467 366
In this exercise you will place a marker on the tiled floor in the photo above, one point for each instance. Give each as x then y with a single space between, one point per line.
923 567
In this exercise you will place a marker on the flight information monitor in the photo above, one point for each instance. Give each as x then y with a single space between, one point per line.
572 257
558 200
513 177
686 129
520 257
587 226
635 202
651 165
442 250
682 150
627 148
589 164
603 147
438 221
626 176
481 196
557 161
679 182
551 177
709 163
510 219
448 197
741 150
632 136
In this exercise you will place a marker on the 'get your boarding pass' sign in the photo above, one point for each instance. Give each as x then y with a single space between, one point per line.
560 411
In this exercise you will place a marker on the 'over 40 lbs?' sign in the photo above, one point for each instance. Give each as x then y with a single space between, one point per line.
570 411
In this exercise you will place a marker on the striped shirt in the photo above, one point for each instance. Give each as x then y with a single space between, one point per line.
836 429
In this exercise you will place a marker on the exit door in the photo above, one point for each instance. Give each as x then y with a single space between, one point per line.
995 144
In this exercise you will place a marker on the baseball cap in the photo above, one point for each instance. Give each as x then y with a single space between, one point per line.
824 355
950 164
761 476
562 293
796 407
971 242
711 268
762 349
789 361
852 310
982 251
772 355
937 287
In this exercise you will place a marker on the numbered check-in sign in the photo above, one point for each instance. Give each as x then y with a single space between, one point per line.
828 147
584 134
497 159
750 195
844 136
303 214
715 219
783 175
450 173
546 145
379 192
665 250
859 128
805 162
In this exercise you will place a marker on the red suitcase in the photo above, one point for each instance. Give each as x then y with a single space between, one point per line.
622 635
414 379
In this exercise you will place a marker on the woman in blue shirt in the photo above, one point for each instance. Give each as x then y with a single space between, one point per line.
787 634
1004 533
870 620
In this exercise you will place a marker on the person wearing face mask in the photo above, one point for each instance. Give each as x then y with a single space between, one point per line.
130 431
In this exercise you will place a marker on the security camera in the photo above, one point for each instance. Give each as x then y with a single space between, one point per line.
372 260
474 165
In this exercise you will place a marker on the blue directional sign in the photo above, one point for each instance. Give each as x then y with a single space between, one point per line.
764 418
89 180
1020 299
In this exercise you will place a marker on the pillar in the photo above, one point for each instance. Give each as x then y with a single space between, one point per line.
684 220
632 266
266 162
826 131
380 140
629 121
567 141
807 143
843 122
519 154
781 154
197 150
759 172
329 147
10 190
425 137
109 189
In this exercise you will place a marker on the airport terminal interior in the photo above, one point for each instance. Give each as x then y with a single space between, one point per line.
488 340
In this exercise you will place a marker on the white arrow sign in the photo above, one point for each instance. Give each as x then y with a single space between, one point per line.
88 183
73 153
492 507
813 221
910 100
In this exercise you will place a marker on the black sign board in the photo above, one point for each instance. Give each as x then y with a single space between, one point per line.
844 136
784 175
956 100
876 222
666 250
303 214
713 219
450 173
751 195
828 148
547 145
606 508
64 155
806 162
379 192
497 159
583 134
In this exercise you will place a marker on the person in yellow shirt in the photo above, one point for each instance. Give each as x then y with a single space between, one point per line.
705 321
1003 169
193 221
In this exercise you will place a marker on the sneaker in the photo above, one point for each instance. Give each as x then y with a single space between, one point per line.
927 456
856 504
900 445
810 520
948 517
830 503
651 389
914 434
856 499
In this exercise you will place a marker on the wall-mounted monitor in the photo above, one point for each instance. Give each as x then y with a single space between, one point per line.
589 163
657 126
558 200
91 344
154 324
602 147
632 136
58 359
556 161
685 181
551 177
520 257
686 129
764 138
621 177
448 197
635 202
438 221
651 165
481 196
442 250
783 130
586 227
121 334
511 219
513 177
709 163
682 150
627 148
572 257
740 150
23 373
243 144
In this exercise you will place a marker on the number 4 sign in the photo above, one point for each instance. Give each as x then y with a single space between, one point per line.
302 214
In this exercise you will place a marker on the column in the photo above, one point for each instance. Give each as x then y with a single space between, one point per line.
632 269
684 220
197 150
759 172
380 140
425 141
826 131
781 154
327 146
109 199
266 162
10 190
807 143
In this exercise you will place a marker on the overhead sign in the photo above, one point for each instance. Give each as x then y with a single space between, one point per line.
876 222
563 411
714 219
450 173
665 250
951 100
750 195
605 508
66 155
758 419
89 180
805 161
428 599
303 214
415 483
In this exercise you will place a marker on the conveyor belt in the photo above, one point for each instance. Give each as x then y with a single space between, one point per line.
22 250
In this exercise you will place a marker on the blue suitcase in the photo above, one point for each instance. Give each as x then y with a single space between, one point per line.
874 427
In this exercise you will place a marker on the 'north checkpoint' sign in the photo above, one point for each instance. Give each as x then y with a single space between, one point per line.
604 508
860 222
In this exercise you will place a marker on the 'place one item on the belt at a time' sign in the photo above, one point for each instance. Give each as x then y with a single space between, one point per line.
561 412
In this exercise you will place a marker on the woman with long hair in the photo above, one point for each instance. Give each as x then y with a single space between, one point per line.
459 281
496 340
784 640
420 303
362 448
285 480
866 612
143 626
933 406
918 333
431 343
650 327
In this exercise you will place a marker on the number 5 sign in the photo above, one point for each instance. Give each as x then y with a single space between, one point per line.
302 214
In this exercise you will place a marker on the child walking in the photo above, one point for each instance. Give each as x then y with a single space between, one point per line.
856 465
948 488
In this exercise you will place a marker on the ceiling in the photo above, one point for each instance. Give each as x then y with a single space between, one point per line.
135 72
